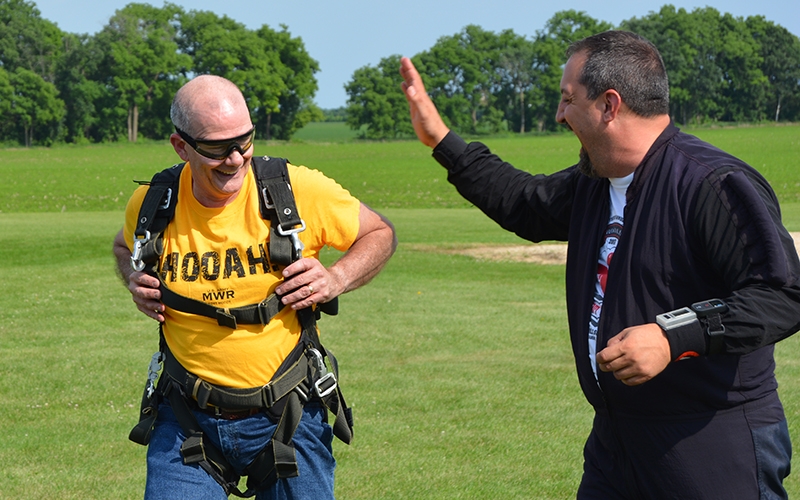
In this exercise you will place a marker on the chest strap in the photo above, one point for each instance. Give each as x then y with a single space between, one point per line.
254 314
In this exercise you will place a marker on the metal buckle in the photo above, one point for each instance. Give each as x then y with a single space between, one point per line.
323 393
166 202
292 234
304 396
156 363
325 377
267 203
264 311
136 255
319 363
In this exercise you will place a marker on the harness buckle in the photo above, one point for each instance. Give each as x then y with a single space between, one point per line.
317 361
167 200
156 363
303 395
267 203
136 256
326 383
292 234
225 318
263 312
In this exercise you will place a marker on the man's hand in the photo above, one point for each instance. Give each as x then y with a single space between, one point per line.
428 125
143 287
636 355
146 295
308 282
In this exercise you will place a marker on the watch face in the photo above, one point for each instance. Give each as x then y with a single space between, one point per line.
707 307
676 318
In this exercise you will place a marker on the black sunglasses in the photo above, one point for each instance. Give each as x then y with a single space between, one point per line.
219 149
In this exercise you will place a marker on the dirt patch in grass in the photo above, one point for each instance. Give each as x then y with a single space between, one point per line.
538 253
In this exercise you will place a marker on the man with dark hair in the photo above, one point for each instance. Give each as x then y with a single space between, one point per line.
244 389
673 337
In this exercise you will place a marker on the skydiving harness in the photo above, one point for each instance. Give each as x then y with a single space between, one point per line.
303 377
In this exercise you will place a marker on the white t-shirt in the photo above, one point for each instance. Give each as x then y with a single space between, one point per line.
616 219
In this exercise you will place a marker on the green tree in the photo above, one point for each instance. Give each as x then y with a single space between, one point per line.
460 76
6 99
780 55
26 40
713 62
221 46
550 48
517 72
144 64
35 107
744 87
295 104
75 74
375 102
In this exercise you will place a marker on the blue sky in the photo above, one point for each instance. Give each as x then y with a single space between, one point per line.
344 35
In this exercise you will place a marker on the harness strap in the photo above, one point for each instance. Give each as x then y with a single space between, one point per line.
254 314
196 449
277 460
332 398
277 204
147 418
156 212
205 393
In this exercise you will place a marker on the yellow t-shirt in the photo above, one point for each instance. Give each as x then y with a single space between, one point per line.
220 256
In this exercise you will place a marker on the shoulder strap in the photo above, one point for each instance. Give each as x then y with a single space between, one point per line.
156 212
276 201
158 206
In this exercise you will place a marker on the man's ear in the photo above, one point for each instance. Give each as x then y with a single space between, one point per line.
179 145
612 104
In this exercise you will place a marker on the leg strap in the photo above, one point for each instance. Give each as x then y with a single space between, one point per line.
277 460
147 417
302 377
197 449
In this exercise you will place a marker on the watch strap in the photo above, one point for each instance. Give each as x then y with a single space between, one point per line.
715 330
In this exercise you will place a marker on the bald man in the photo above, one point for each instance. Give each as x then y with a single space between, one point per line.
217 217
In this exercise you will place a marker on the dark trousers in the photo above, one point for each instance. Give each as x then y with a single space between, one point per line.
741 453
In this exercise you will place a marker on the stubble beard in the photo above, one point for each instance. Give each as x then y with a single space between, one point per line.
585 165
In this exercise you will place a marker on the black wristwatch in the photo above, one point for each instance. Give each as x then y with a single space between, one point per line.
712 310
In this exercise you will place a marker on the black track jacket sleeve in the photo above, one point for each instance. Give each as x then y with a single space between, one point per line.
737 219
535 207
737 248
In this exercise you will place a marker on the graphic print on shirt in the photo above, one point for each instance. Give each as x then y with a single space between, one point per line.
610 242
213 265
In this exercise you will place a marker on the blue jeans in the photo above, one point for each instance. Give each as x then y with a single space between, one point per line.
241 441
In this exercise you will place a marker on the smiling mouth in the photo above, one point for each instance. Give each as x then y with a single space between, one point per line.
226 173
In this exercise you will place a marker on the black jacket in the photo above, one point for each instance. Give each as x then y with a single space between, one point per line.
699 224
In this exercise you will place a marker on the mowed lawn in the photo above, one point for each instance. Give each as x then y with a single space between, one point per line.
459 369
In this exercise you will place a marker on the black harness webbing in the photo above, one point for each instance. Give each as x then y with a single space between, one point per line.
302 377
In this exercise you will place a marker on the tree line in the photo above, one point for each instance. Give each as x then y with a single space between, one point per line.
721 69
118 84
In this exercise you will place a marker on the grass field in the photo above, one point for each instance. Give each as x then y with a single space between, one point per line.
325 132
459 371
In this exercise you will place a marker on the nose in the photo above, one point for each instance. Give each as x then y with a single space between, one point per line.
560 114
235 158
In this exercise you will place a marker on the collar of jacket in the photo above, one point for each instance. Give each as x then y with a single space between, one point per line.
644 169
